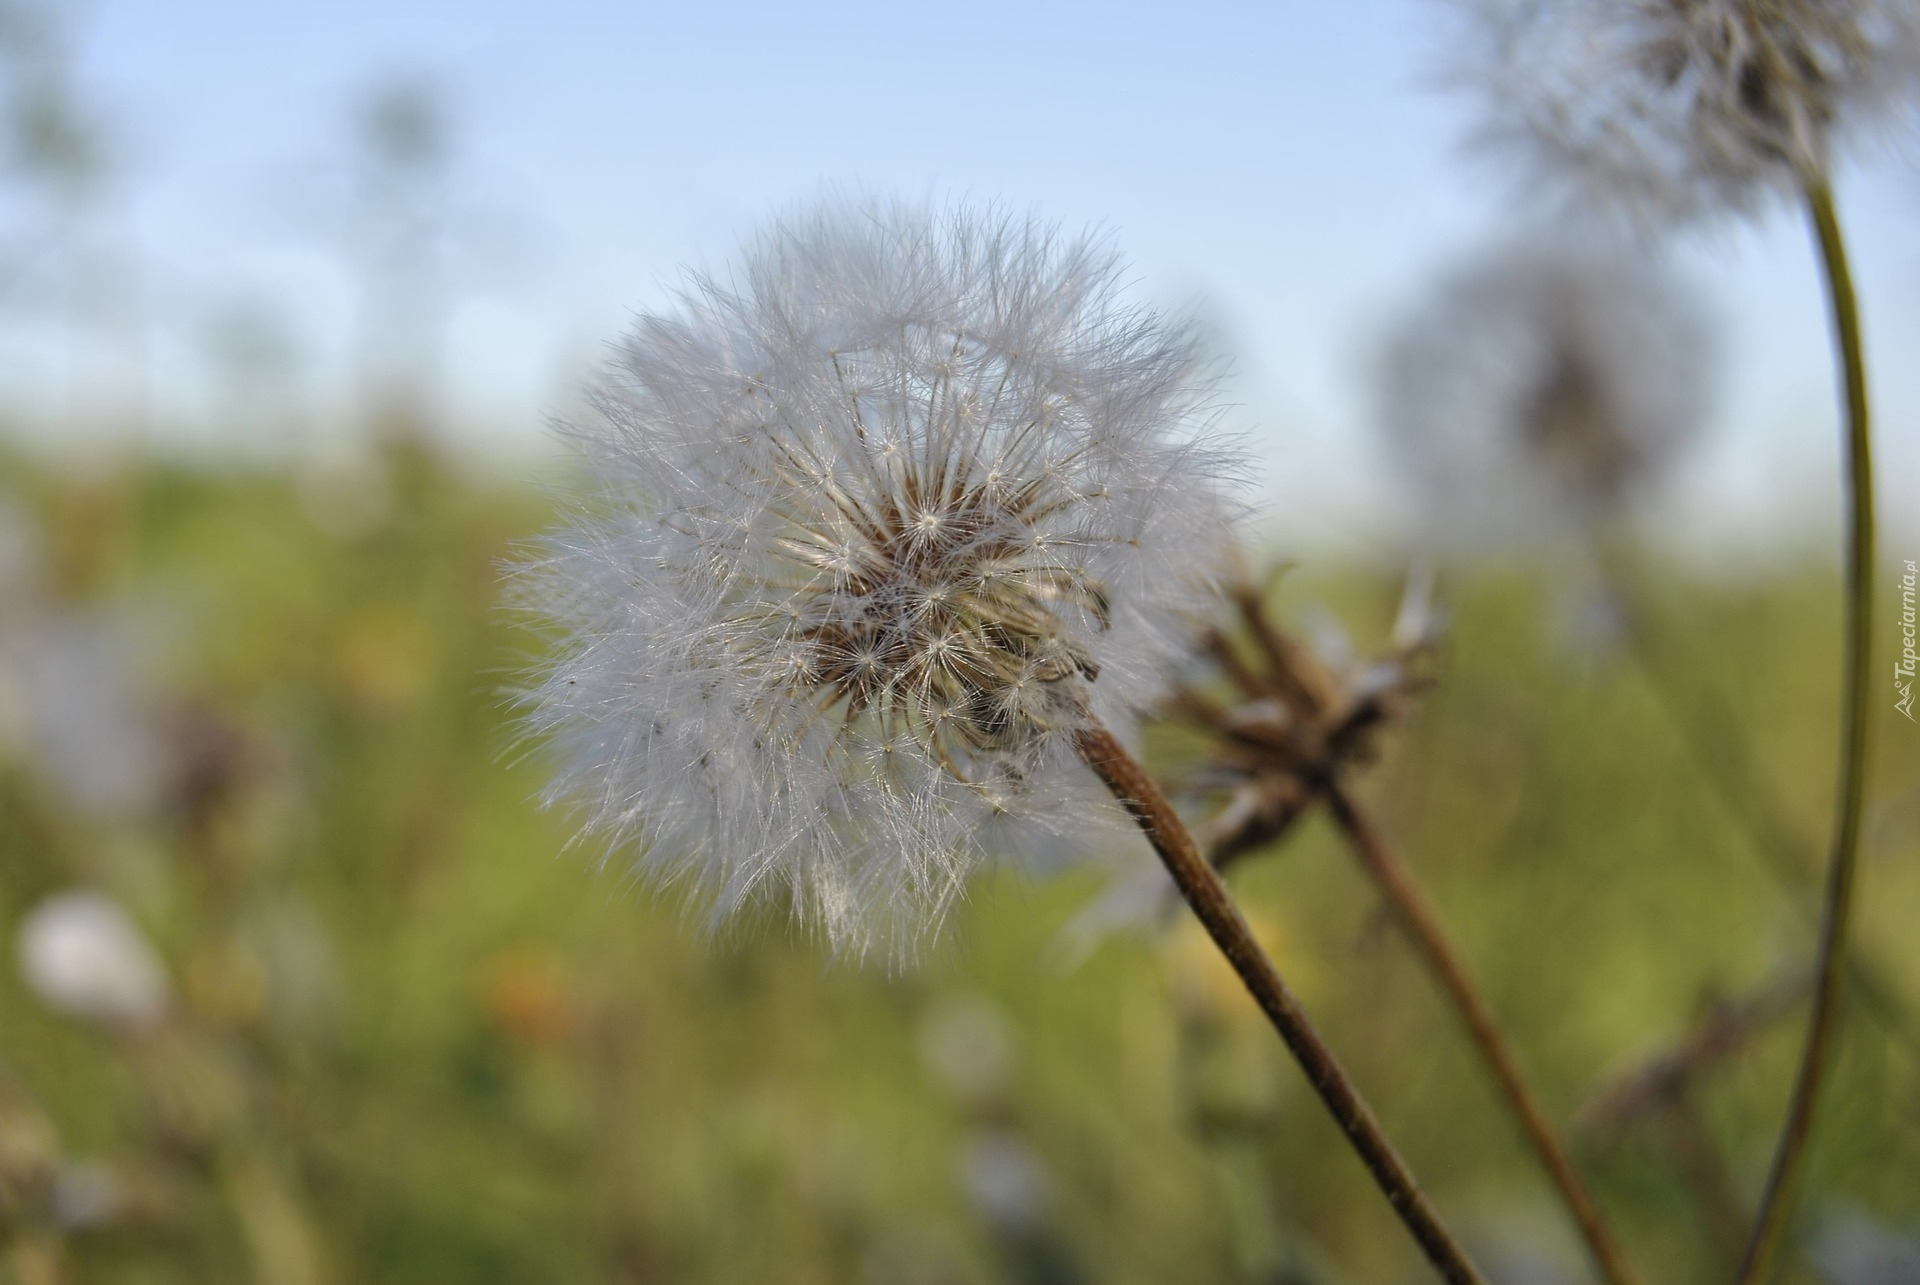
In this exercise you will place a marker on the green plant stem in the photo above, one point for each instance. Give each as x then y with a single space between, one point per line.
1204 892
1776 1203
1422 925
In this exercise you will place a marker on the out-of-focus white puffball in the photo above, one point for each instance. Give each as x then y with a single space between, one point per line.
967 1047
1005 1179
84 956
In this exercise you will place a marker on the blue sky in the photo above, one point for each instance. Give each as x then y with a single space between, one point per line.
1288 168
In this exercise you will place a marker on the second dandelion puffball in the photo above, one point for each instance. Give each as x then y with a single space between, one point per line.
1680 109
1538 387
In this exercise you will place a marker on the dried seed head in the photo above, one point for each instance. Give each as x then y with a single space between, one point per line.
872 530
1682 108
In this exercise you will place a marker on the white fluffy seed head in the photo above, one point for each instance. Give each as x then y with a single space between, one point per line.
872 526
84 956
1676 109
1540 387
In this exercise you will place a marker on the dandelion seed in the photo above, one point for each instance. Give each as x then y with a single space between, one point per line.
1542 387
874 527
1686 108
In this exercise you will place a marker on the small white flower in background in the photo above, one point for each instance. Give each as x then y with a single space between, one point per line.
84 956
20 557
91 736
873 523
967 1046
1852 1247
19 592
1684 108
1539 388
86 1196
68 701
1005 1179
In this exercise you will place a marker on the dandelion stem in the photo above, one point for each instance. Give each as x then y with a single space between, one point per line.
1200 884
1418 919
1797 1131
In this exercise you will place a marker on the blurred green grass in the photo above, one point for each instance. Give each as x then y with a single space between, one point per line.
422 1039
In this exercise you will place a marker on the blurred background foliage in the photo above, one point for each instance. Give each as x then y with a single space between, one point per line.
409 1036
337 1003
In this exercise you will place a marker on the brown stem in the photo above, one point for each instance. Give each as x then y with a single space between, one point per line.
1417 917
1261 830
1235 668
1837 905
1296 675
1207 895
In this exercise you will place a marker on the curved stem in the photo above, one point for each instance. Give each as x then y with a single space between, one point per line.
1421 924
1798 1129
1200 884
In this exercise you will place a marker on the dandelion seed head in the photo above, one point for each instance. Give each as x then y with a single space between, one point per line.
872 527
1679 109
1542 387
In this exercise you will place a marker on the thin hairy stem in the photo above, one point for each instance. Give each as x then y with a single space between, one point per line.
1422 925
1200 884
1777 1202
